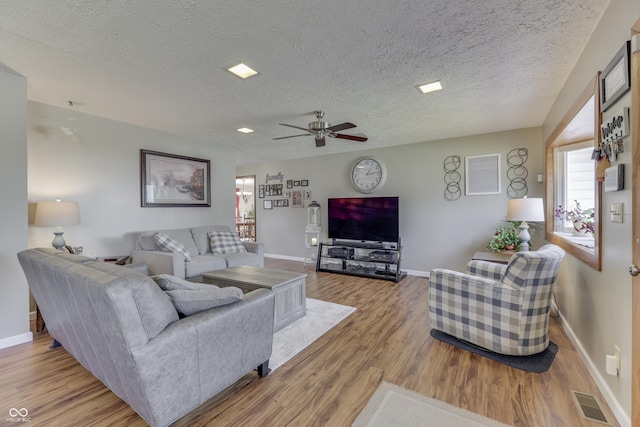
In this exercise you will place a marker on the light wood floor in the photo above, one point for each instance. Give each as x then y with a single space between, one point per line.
329 383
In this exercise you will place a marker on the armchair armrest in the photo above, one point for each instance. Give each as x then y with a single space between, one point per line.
256 248
491 270
449 280
160 262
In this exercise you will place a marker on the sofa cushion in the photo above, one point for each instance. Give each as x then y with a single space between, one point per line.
155 308
167 282
224 242
201 237
169 244
237 258
203 264
189 301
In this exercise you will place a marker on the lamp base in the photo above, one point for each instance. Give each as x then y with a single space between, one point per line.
524 236
58 241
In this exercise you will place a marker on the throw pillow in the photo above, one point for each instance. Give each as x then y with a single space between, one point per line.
189 302
169 244
168 282
224 242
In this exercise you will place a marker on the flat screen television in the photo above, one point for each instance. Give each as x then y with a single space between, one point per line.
373 219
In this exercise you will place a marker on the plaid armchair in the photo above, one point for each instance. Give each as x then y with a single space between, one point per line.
503 308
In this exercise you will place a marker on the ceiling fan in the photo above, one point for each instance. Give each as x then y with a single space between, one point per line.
320 129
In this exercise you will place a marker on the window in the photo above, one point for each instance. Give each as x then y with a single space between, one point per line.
574 192
571 185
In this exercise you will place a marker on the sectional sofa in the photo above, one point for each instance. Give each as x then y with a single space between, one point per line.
125 329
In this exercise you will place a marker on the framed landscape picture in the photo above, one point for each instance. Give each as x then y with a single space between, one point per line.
170 180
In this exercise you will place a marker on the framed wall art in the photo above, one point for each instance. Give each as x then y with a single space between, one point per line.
615 80
482 174
170 180
296 199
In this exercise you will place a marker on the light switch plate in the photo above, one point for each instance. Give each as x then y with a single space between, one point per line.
616 212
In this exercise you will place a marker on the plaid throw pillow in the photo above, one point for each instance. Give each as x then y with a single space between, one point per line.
169 244
225 242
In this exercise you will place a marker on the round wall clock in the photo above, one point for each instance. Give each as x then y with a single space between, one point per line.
368 174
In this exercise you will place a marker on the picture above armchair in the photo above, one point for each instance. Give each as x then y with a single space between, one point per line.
189 252
502 308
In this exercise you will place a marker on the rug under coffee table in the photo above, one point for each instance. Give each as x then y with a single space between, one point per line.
289 288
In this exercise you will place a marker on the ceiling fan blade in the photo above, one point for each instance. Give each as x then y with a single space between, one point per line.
359 137
295 127
291 136
320 142
341 126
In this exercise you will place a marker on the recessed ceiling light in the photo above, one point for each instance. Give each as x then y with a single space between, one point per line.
430 87
245 130
242 70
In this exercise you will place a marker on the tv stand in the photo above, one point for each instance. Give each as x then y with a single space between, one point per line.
376 260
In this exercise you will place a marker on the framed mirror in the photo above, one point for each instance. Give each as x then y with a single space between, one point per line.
573 195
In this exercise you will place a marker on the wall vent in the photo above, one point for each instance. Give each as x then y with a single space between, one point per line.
590 408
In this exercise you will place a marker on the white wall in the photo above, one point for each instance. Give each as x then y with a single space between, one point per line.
102 173
435 232
597 304
14 294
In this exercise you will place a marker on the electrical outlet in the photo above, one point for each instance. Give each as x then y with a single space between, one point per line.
613 362
616 212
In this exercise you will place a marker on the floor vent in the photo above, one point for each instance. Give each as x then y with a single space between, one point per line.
590 407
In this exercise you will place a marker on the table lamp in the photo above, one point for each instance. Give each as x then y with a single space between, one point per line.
525 210
56 214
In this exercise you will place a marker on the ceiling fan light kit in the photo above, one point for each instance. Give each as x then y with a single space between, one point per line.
319 129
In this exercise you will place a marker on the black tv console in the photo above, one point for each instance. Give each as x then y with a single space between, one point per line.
375 260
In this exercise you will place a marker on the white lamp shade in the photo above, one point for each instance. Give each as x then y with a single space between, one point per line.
57 214
525 210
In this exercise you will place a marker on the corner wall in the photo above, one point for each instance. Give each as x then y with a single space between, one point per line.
14 300
596 305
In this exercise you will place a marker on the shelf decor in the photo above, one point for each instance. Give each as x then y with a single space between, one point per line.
170 180
615 80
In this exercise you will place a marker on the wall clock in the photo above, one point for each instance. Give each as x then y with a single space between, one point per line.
368 174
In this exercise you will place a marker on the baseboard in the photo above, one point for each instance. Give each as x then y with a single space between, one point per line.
417 273
618 412
286 257
15 340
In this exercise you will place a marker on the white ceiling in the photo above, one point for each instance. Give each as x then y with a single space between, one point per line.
161 64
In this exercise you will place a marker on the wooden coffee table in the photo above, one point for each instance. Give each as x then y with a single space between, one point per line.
289 288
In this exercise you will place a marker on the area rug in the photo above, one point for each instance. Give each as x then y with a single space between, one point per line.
535 363
321 316
395 406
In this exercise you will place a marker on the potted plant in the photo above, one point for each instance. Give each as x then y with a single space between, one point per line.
505 240
583 221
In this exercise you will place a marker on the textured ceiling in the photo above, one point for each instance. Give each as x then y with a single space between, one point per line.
162 65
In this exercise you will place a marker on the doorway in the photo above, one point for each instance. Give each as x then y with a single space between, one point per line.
246 207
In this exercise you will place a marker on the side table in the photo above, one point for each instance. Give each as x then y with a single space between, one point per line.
497 257
116 259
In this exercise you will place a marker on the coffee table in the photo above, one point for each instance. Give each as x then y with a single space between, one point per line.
289 288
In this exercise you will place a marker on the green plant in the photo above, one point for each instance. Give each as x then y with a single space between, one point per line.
583 221
505 239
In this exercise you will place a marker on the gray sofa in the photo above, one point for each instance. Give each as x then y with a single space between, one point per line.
196 241
123 328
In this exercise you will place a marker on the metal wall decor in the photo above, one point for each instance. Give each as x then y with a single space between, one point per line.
517 173
452 178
